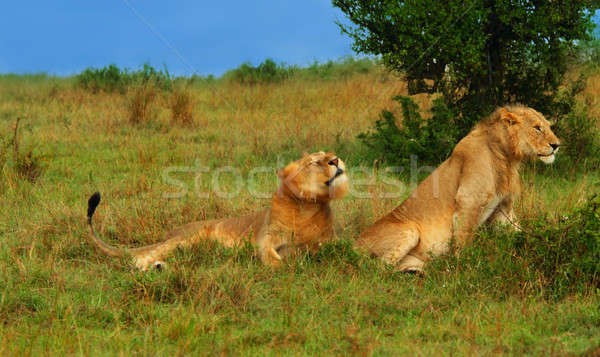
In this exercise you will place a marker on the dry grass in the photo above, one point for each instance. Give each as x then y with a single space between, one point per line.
591 95
181 103
140 103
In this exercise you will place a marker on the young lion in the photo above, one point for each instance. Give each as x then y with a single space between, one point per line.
299 217
476 184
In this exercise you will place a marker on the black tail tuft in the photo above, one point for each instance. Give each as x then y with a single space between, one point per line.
92 204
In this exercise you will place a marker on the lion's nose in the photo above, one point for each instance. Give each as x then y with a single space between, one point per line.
554 146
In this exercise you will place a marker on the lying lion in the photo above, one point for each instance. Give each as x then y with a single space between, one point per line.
299 217
477 183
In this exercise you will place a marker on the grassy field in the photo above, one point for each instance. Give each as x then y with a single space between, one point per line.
59 296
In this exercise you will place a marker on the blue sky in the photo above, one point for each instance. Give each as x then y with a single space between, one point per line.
64 37
206 37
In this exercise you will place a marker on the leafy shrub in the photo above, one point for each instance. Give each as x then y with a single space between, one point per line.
577 130
198 79
113 79
431 140
549 258
107 79
589 53
266 72
270 72
343 68
581 137
148 74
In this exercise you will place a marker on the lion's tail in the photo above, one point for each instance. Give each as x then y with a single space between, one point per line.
102 246
227 231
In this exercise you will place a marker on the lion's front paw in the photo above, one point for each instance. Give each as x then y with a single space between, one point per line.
159 265
414 271
271 258
146 263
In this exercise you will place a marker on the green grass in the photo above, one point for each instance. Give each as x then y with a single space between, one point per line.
59 296
214 300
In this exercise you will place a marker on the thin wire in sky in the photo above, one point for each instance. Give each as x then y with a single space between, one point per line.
161 37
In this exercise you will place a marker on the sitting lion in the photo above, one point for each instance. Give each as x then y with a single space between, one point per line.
299 217
476 184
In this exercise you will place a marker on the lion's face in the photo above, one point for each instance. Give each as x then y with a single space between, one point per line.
532 134
316 177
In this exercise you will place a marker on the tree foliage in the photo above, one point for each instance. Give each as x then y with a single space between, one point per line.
477 53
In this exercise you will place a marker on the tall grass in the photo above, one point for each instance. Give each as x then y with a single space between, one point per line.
181 104
59 296
140 105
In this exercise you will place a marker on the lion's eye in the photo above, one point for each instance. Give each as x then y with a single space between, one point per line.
538 128
334 162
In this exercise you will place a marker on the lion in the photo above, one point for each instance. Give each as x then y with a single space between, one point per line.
299 217
477 184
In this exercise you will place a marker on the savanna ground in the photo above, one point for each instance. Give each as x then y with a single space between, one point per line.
59 296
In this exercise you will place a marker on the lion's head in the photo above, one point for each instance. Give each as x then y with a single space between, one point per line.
525 132
318 177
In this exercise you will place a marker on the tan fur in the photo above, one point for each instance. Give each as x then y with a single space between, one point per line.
476 184
299 217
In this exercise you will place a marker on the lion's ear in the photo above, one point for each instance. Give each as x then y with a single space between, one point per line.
508 118
305 154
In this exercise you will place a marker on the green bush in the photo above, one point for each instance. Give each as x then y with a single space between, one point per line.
266 72
342 68
197 79
581 138
160 79
107 79
589 53
546 258
430 140
577 130
271 72
113 79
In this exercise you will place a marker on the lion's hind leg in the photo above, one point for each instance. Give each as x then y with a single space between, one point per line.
411 264
399 244
390 241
